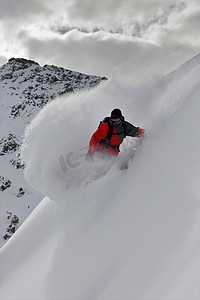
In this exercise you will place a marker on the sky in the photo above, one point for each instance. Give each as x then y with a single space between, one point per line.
99 37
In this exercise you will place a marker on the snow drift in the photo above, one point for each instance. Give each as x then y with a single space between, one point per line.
131 234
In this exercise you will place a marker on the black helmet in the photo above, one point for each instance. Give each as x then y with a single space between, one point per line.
116 114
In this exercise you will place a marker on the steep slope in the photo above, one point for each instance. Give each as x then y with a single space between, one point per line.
25 88
131 234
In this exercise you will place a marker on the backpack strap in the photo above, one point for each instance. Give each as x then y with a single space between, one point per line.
110 131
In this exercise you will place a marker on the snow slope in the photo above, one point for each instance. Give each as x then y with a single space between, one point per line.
130 234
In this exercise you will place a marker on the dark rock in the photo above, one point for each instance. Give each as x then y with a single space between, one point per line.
4 183
13 225
9 144
21 192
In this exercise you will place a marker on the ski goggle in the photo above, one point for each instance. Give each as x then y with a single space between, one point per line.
115 119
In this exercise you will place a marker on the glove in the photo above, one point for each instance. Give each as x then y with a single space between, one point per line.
141 132
89 157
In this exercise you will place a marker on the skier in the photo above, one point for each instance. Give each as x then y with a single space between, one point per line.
110 134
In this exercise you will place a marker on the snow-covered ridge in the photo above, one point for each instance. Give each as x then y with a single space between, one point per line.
183 69
35 85
25 87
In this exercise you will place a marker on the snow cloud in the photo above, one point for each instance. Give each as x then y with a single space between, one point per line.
96 36
56 141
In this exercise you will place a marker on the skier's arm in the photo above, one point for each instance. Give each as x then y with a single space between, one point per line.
133 131
99 134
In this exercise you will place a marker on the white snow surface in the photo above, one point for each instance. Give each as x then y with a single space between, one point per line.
105 233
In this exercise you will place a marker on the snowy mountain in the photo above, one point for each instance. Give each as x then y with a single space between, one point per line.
102 232
25 87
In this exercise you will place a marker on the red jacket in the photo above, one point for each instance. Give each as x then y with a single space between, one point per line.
100 134
112 146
